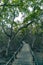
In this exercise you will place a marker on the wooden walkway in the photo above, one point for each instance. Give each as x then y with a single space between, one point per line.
24 57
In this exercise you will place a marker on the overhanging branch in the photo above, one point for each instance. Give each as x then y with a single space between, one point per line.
25 26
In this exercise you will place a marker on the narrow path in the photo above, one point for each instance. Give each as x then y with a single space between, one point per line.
24 57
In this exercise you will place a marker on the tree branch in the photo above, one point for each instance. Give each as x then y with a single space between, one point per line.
9 5
12 23
25 26
5 31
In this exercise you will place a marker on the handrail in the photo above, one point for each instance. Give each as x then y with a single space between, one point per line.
14 55
32 53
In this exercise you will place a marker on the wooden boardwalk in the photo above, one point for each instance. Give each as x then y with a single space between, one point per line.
24 57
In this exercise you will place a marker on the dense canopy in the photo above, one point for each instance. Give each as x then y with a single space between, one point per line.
21 20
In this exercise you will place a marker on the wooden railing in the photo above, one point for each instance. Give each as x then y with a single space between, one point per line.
33 55
14 55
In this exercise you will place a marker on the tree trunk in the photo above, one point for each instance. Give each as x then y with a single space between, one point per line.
8 47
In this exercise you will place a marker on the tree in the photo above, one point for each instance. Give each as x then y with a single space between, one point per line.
32 19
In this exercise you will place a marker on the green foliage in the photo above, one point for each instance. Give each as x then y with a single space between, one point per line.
24 29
